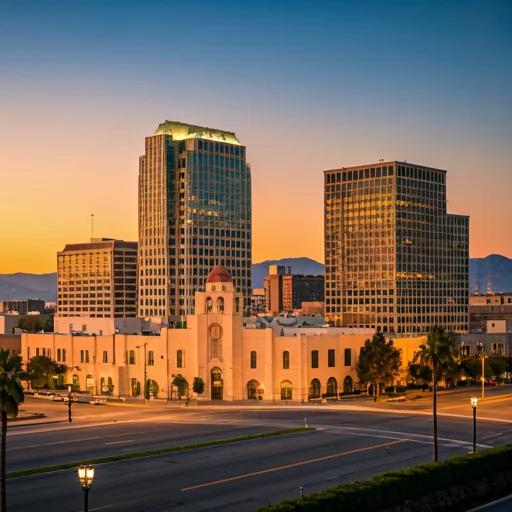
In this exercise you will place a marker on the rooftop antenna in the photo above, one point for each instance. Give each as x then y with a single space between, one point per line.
92 226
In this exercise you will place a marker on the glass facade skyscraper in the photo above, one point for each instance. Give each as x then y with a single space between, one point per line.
194 214
394 259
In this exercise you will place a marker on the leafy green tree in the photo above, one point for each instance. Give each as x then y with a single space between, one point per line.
48 324
420 374
379 362
440 355
181 383
11 395
29 323
41 370
198 385
155 388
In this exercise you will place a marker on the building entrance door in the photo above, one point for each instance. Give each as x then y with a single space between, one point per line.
217 385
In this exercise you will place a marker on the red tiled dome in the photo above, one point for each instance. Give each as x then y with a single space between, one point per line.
219 275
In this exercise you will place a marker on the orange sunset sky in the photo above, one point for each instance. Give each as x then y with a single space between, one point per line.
78 99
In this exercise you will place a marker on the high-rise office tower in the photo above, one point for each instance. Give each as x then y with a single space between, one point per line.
97 279
394 259
194 214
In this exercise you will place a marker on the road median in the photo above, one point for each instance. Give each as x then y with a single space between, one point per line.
150 453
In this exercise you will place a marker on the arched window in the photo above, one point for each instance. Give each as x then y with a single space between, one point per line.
254 359
103 388
314 389
209 304
286 360
347 384
132 357
220 305
58 354
86 356
63 355
237 304
105 356
82 357
215 341
179 359
332 387
286 390
76 381
49 353
314 359
252 389
44 352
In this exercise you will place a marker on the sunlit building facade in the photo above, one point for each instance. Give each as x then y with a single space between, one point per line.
394 259
97 279
235 363
194 214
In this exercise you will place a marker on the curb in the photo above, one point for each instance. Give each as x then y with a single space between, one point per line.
30 423
488 506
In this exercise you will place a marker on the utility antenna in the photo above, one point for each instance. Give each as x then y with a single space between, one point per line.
92 226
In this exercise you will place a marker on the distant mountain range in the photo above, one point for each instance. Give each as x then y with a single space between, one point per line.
494 271
298 266
28 286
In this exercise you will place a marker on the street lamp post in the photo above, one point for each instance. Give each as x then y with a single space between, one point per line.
474 403
70 400
86 475
483 375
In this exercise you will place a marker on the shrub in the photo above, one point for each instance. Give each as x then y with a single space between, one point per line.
394 488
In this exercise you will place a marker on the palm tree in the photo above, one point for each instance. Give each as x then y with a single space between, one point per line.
11 395
439 355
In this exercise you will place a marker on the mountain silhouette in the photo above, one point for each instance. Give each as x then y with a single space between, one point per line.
494 271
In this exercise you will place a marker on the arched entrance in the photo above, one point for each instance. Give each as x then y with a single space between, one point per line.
347 384
252 389
286 390
216 376
314 389
332 387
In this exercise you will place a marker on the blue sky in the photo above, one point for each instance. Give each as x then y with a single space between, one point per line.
306 86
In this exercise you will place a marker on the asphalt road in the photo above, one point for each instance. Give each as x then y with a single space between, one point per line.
350 444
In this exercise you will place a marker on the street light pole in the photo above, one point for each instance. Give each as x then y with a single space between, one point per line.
70 396
474 403
483 375
86 475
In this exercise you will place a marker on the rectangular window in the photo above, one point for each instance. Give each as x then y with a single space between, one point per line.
132 357
151 358
348 357
86 356
105 356
331 359
314 359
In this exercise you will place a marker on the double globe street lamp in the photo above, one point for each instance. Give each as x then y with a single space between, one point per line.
474 403
86 475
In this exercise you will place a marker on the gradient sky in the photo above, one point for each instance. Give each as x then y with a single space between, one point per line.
306 86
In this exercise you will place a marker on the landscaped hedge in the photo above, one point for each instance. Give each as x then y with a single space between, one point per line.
467 479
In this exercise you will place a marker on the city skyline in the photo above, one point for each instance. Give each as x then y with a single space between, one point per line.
349 83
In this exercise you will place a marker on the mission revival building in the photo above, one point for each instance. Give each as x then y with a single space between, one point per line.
235 363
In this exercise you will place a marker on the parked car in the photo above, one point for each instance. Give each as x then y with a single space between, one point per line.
59 398
493 383
98 402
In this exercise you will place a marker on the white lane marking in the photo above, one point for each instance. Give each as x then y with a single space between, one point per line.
418 438
72 441
119 442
